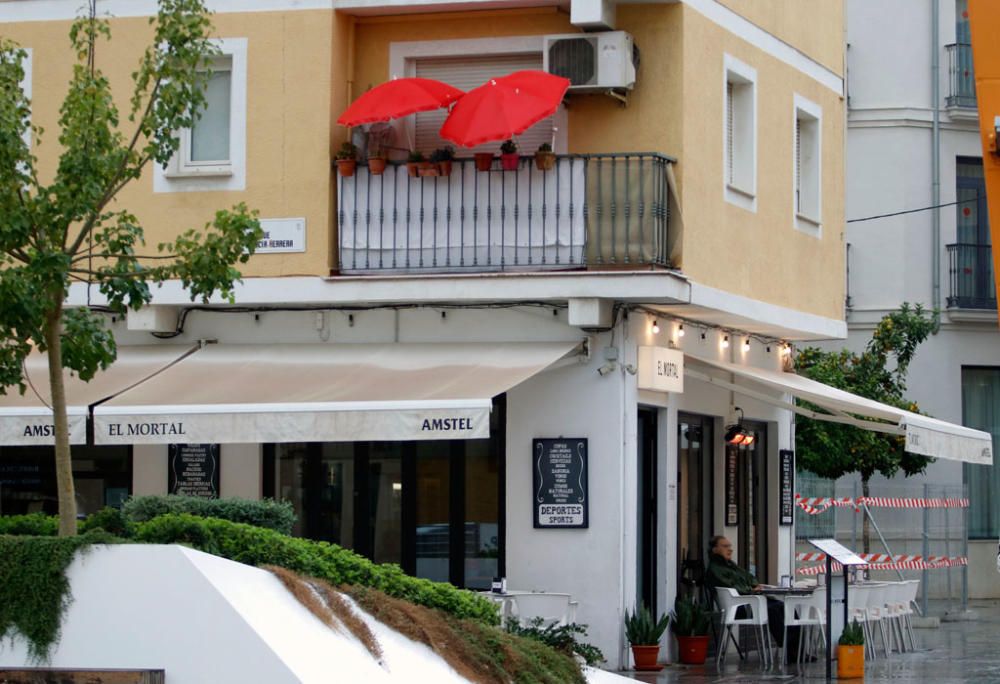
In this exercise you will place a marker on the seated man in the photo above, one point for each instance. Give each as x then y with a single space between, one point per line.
723 572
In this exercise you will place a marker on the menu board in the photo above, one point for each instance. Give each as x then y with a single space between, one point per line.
786 463
193 470
559 482
732 480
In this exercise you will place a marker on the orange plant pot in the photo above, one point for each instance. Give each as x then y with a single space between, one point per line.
484 161
692 650
850 662
376 166
444 167
346 166
510 161
645 657
412 168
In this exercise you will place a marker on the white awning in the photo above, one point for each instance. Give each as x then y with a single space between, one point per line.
924 435
323 393
26 419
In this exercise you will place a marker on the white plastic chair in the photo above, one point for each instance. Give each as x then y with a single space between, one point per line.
553 609
806 613
730 601
878 614
857 610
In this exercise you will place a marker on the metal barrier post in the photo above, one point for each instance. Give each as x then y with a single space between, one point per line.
926 552
965 550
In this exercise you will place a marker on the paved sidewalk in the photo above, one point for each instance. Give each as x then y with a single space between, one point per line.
965 651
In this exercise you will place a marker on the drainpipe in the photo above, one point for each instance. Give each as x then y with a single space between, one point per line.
935 157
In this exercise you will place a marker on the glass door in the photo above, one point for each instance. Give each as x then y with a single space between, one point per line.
647 509
753 530
695 487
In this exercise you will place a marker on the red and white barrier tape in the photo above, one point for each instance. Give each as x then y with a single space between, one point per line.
818 504
902 562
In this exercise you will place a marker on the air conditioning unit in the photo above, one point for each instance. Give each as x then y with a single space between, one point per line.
593 62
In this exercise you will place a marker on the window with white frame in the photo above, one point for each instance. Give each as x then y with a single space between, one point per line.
212 153
740 133
806 165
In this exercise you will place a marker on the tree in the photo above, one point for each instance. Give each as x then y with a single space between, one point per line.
69 228
832 450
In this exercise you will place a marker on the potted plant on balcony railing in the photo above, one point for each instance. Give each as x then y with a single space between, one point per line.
413 163
545 158
376 160
347 159
484 161
509 158
443 157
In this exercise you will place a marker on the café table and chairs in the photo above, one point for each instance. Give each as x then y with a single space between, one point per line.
554 608
755 617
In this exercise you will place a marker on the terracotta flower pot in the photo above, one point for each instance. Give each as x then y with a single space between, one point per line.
376 165
412 168
645 657
444 167
850 662
545 161
510 162
346 166
692 650
484 161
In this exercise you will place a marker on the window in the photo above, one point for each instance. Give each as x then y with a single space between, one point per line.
806 181
212 153
981 410
740 134
971 257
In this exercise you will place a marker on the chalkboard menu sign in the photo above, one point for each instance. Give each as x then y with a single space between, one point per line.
193 470
559 482
732 480
787 475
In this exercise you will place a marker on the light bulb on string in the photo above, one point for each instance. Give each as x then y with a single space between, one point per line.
725 341
656 327
680 330
746 345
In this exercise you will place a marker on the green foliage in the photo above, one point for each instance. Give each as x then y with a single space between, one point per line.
545 147
32 524
415 157
508 146
256 546
641 629
266 513
111 520
34 589
830 449
853 635
347 151
560 637
689 618
69 227
441 154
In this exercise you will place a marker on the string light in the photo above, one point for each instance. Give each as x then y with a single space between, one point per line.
725 342
680 330
656 327
746 344
786 350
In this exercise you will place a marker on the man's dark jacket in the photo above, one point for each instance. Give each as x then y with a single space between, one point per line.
725 573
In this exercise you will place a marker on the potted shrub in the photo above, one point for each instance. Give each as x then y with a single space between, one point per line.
347 159
644 634
509 158
691 623
851 652
376 160
443 157
413 163
545 158
484 161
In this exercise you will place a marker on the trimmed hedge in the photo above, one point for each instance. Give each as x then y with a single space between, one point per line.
257 546
267 513
31 524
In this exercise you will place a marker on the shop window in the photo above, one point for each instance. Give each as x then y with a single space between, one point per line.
981 410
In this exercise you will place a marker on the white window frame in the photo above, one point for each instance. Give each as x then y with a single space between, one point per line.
404 55
740 186
182 175
807 181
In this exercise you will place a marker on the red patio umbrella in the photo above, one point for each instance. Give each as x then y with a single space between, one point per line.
397 98
504 107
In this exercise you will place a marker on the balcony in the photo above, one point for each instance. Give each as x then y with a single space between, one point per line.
961 78
970 276
591 211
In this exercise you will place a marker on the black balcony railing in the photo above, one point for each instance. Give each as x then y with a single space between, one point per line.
970 271
961 79
590 210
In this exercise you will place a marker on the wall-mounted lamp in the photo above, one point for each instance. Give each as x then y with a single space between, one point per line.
737 434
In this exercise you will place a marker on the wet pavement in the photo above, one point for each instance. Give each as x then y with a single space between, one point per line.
959 651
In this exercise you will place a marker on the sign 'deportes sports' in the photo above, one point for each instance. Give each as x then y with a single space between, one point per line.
193 470
559 482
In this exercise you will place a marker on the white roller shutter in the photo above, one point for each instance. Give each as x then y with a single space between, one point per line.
467 73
